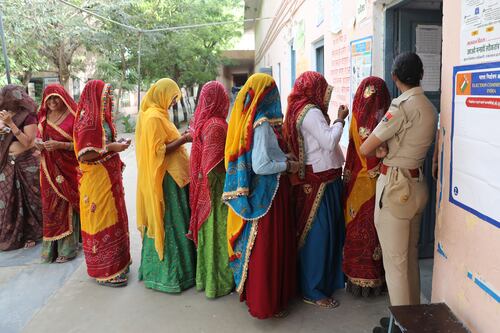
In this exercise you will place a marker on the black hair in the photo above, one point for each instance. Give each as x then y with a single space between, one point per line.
408 68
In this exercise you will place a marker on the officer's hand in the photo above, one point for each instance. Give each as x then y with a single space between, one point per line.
381 151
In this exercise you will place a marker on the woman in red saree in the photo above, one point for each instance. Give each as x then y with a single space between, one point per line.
103 213
208 225
362 253
20 206
58 175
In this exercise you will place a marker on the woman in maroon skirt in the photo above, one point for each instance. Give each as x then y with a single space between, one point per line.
261 229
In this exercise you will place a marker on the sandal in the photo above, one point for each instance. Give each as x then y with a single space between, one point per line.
29 244
63 259
119 281
332 304
281 314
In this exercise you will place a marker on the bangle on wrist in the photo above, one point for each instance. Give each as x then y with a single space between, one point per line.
16 133
339 120
287 166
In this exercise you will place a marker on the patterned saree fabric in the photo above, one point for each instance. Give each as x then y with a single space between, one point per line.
104 221
20 205
59 169
362 253
155 130
210 128
249 195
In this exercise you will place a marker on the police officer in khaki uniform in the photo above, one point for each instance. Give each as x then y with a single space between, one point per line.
402 139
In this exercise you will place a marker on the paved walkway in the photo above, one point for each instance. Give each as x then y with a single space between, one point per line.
38 297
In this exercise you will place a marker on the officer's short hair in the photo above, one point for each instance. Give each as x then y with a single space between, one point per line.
408 68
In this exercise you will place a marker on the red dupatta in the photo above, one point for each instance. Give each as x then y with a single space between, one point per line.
94 109
59 169
207 151
310 90
371 101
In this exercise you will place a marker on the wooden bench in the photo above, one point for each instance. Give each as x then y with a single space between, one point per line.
425 318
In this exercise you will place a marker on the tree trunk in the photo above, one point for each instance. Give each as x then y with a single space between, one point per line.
176 107
176 115
27 77
198 96
122 79
184 110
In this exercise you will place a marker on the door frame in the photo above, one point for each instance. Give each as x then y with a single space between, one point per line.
397 38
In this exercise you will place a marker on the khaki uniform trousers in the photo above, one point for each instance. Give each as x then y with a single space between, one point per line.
399 242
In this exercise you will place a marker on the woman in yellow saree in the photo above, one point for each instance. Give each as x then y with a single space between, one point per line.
168 257
104 222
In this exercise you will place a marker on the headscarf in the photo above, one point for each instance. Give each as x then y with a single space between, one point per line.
249 195
59 91
15 99
309 91
371 101
154 130
94 110
207 151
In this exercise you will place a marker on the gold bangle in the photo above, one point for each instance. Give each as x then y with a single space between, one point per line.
17 133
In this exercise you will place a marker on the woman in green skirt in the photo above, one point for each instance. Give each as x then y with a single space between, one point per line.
208 213
168 257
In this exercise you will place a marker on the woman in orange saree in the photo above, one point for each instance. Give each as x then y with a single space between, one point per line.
362 253
103 214
58 175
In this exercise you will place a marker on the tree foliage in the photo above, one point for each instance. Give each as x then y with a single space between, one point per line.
46 34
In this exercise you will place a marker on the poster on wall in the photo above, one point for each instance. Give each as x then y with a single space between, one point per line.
480 35
361 10
361 62
336 16
475 150
428 46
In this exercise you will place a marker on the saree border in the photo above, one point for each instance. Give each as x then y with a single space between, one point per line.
46 174
59 130
300 138
272 121
366 283
64 234
328 96
248 252
312 215
121 271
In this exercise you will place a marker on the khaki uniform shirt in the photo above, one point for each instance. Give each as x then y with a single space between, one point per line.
408 128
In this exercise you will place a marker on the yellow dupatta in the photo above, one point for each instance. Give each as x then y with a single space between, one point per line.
365 182
239 141
155 130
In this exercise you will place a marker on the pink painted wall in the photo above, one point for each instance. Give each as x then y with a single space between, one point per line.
470 244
